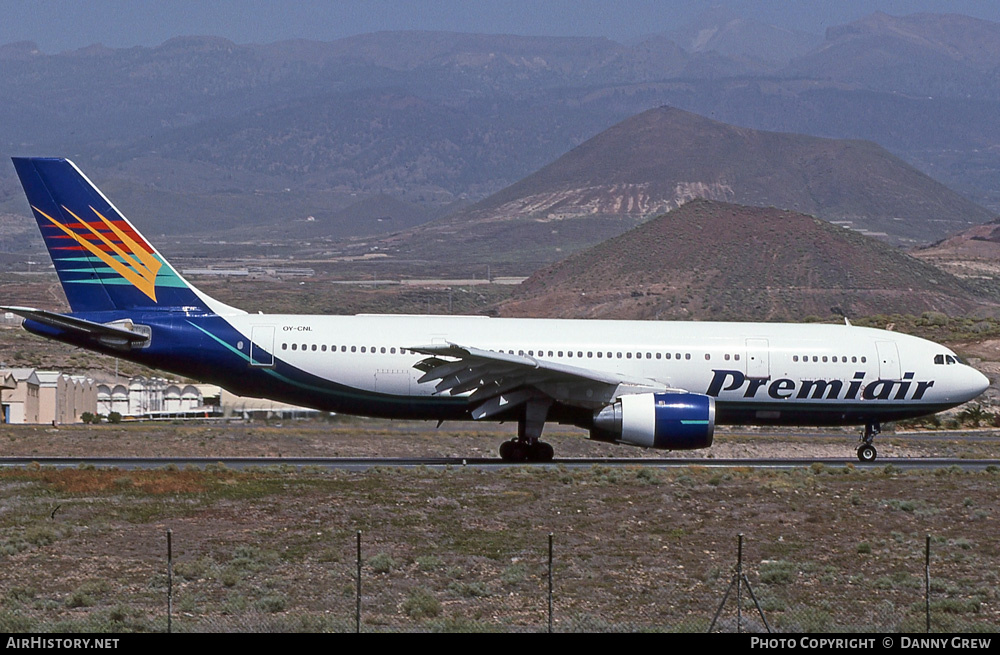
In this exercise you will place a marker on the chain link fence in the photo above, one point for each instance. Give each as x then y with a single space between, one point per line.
559 583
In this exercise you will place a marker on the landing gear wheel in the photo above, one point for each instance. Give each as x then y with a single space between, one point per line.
541 452
513 451
516 450
866 451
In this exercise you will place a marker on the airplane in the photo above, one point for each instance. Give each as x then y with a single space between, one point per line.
653 384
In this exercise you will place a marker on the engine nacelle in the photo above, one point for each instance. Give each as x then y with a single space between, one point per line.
671 421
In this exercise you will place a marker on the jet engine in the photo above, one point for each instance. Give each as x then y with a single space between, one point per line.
671 421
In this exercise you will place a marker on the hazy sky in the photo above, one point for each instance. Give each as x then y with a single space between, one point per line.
57 25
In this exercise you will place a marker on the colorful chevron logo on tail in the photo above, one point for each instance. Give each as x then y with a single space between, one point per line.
125 256
103 262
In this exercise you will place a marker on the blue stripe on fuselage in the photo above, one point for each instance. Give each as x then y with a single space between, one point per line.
205 347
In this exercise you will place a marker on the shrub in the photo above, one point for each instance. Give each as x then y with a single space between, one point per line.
421 604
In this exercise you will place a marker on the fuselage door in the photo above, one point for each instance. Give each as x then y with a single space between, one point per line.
758 359
888 360
262 346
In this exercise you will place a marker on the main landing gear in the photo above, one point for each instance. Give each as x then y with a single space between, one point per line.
517 450
527 447
866 451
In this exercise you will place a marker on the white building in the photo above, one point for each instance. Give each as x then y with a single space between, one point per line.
143 397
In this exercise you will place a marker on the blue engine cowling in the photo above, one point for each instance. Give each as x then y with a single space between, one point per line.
671 420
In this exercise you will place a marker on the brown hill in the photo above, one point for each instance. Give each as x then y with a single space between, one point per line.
713 260
970 254
664 157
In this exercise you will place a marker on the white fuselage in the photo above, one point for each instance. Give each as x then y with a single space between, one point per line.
774 368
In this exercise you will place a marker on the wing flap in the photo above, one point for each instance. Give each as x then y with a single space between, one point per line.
498 382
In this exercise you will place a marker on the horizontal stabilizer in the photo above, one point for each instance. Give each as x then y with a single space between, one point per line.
119 333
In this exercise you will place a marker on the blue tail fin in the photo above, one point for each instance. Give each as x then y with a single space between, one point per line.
103 263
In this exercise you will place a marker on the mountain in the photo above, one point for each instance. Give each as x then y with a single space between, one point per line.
970 254
758 44
664 157
714 260
229 134
946 55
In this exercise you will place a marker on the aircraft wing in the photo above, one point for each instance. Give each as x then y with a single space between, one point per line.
500 381
108 333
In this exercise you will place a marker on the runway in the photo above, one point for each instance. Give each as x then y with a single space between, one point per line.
364 463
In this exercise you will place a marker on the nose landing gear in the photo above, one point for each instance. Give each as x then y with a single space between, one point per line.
866 451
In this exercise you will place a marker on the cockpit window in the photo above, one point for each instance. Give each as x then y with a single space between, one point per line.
939 359
950 360
947 359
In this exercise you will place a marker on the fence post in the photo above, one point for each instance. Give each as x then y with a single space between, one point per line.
357 606
927 582
170 579
739 579
550 583
739 584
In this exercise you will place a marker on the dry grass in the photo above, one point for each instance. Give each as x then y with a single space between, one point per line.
827 548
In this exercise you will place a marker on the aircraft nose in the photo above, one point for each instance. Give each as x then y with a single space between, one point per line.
976 383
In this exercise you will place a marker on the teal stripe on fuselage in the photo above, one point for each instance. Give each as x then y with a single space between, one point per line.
341 391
